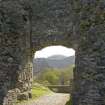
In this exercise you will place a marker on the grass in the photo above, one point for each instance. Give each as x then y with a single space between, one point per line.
37 91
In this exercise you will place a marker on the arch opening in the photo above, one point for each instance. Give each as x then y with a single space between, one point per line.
53 68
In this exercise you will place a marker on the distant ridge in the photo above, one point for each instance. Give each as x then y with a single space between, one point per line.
55 61
58 57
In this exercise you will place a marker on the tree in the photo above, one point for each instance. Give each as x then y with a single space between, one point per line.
56 76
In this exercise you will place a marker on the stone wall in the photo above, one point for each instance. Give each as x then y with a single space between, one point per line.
89 26
15 66
60 88
33 24
15 53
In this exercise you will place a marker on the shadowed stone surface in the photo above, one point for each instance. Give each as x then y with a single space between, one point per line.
29 25
89 74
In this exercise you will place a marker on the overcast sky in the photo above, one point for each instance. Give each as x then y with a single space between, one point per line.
54 50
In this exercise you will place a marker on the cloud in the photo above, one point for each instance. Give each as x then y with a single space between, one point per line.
54 50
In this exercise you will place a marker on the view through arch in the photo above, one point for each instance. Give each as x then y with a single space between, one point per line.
53 68
53 65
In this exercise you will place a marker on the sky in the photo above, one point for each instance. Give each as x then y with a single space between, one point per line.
54 50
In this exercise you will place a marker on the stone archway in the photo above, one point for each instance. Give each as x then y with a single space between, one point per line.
79 24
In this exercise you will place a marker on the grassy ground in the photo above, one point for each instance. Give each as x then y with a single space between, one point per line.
37 91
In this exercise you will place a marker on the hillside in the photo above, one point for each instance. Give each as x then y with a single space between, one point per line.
56 61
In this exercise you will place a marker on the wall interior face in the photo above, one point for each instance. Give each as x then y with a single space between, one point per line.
89 74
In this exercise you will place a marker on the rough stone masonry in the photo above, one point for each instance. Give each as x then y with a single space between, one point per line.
29 25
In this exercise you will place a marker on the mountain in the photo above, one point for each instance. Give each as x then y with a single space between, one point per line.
55 61
56 57
62 62
39 64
